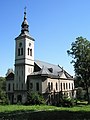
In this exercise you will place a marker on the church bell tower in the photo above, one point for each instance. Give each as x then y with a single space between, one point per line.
24 61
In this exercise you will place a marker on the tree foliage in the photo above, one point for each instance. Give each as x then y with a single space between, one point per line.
80 52
2 83
3 96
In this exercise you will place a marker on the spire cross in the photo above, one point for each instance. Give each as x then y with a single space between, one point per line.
25 9
25 13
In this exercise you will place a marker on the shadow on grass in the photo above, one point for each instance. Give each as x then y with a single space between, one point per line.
45 115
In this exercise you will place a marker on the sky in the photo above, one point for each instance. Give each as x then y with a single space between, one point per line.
54 24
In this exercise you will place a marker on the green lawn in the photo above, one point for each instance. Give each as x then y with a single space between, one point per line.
12 108
44 112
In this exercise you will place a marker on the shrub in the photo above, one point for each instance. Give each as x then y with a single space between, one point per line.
3 98
34 99
67 102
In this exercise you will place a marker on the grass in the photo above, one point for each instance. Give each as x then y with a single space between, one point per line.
44 112
13 108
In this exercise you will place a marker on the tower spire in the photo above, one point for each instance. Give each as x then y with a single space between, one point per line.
24 26
25 13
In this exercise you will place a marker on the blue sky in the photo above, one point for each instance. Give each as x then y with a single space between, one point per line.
54 24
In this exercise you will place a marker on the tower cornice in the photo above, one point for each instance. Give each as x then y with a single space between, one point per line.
24 36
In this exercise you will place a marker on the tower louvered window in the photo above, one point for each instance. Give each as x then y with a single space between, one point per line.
18 51
21 51
30 52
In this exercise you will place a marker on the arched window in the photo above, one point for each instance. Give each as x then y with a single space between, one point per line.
28 51
72 86
51 86
64 86
9 87
69 85
21 51
56 86
18 51
61 86
13 86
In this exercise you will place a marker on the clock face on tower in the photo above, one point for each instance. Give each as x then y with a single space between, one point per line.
29 44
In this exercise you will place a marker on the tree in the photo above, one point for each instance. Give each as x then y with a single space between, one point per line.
3 96
2 83
80 52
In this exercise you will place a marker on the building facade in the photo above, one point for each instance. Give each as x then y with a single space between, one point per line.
34 75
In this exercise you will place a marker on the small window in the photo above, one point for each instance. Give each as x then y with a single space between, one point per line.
37 86
61 86
56 86
64 86
18 51
50 69
72 86
13 86
69 85
30 52
9 87
51 86
21 51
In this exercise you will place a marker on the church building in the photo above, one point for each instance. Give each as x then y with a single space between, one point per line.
35 75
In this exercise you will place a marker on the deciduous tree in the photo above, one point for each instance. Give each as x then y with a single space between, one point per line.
80 52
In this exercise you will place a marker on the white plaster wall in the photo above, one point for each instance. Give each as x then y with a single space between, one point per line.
23 63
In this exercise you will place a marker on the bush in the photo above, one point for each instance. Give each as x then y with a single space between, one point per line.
34 99
67 102
3 98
